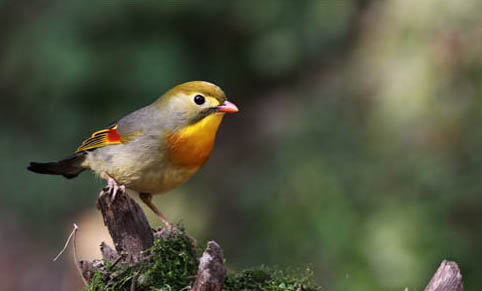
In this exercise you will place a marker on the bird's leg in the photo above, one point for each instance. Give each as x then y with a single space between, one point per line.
147 199
112 186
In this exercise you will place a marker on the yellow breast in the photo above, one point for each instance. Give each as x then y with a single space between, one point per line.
191 147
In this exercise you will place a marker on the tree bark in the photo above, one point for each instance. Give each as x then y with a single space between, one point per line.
212 272
447 278
127 224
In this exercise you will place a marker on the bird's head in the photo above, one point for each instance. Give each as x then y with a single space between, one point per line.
191 102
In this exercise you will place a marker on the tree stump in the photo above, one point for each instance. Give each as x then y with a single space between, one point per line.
211 273
127 224
447 278
131 234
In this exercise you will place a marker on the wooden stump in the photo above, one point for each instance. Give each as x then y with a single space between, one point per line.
447 278
131 233
212 271
127 224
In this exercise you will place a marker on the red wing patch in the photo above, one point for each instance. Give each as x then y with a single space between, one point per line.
108 136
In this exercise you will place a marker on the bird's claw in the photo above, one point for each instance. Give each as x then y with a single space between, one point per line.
112 187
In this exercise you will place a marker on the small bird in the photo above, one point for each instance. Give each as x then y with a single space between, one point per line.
154 149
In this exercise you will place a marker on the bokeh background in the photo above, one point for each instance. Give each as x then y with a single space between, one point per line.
357 151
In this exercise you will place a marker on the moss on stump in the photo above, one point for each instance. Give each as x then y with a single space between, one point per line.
172 264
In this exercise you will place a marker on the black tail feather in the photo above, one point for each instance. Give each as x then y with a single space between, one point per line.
69 167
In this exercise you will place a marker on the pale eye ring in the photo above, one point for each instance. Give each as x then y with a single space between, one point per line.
199 99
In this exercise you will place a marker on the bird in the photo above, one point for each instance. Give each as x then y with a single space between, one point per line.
153 149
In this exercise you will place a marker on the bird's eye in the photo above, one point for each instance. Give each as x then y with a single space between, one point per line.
199 99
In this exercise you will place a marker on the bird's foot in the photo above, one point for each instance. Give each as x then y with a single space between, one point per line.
112 187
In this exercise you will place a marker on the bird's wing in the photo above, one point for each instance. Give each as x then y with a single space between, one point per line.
122 131
101 138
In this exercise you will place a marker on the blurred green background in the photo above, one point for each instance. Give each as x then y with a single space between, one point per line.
357 150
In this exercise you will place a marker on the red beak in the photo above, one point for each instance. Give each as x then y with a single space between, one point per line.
227 107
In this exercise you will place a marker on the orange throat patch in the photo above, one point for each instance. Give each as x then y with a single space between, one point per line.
191 146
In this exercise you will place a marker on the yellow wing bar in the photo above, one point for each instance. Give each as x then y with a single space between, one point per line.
101 138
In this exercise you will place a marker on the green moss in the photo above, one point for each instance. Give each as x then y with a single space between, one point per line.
268 279
171 264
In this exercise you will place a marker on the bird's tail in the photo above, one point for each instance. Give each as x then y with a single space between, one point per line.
69 167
